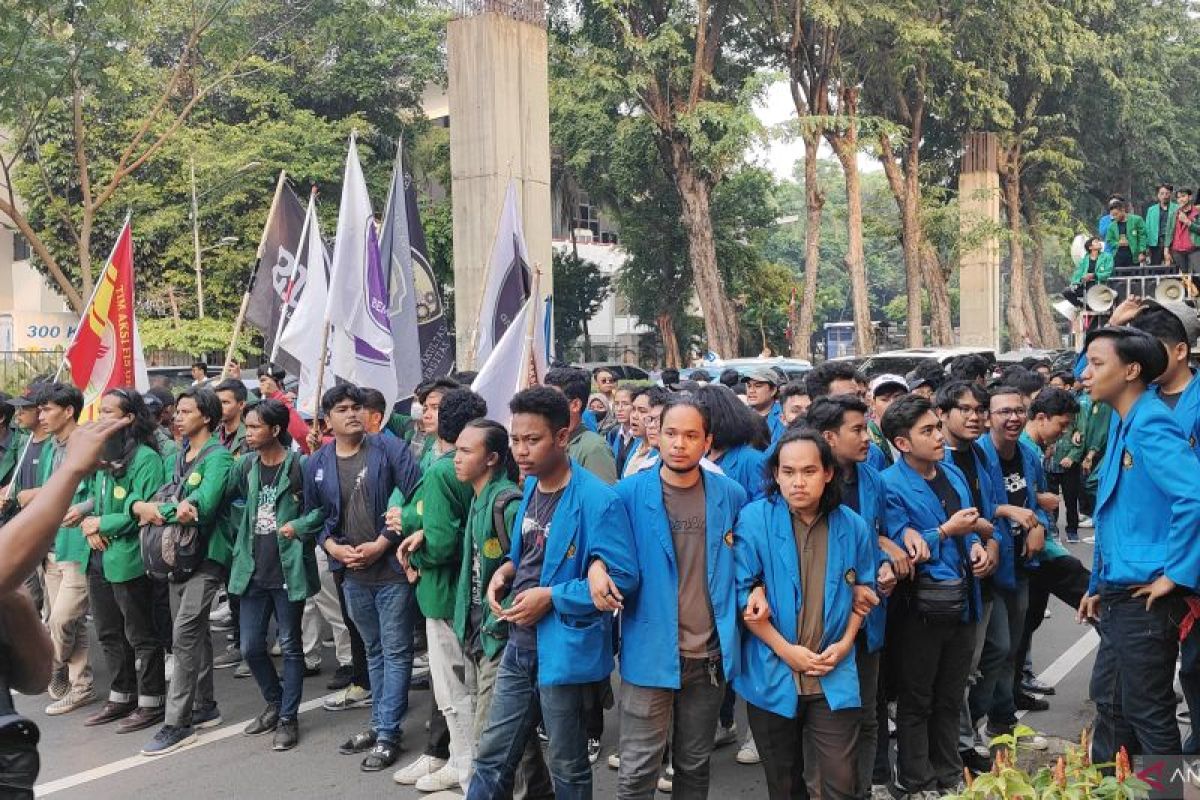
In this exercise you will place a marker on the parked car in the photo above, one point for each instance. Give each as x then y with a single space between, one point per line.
179 377
624 372
793 368
901 362
1059 359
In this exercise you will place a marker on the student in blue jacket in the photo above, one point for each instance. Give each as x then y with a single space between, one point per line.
929 511
571 565
842 421
1145 559
680 642
762 396
738 439
805 577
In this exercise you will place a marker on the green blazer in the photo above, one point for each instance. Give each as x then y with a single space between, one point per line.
1151 218
298 555
69 544
1135 232
205 489
1104 268
482 544
113 498
12 451
439 507
1071 443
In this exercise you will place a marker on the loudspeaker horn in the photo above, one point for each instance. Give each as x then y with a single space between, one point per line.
1100 298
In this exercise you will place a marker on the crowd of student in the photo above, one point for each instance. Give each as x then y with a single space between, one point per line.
818 548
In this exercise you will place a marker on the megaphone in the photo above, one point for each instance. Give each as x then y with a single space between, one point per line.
1169 290
1100 298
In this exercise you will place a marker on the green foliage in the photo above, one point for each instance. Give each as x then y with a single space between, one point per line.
580 289
196 337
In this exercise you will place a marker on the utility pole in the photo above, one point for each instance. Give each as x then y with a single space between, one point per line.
196 240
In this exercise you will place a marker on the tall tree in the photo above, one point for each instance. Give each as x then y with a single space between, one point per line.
580 289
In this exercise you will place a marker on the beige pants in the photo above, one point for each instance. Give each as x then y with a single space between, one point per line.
67 599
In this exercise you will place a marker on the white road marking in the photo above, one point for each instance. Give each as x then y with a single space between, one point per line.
125 764
1062 666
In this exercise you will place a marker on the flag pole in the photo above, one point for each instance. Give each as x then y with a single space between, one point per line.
321 373
291 284
258 256
488 273
528 357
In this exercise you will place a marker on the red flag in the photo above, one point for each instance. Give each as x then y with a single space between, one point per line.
105 351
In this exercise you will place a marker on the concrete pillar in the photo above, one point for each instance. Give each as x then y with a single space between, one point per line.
499 128
979 267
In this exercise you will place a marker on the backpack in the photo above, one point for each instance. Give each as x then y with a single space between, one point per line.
499 506
173 552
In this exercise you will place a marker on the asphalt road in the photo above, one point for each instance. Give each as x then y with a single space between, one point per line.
79 762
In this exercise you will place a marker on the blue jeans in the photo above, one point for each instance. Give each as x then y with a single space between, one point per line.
257 605
384 617
992 695
1133 677
517 705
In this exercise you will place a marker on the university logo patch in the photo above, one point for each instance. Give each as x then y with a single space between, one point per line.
1127 460
571 551
119 493
491 547
729 538
851 576
194 479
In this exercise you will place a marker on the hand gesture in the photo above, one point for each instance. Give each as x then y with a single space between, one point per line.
901 563
757 607
1161 587
497 588
529 607
960 522
605 594
980 560
1089 609
87 443
865 599
186 513
885 578
393 520
916 546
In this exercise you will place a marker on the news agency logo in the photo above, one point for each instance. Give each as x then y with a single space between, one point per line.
1169 776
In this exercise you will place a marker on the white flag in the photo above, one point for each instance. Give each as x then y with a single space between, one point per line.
502 374
358 293
301 337
508 279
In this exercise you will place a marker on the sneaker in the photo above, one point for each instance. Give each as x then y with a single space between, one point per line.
425 765
1035 742
287 735
593 750
208 716
328 643
232 657
614 761
725 736
974 761
221 612
419 684
1072 537
420 667
1028 702
1031 684
748 754
343 676
59 685
75 698
353 696
445 778
312 670
666 781
880 792
169 739
543 738
276 650
1086 522
242 671
381 757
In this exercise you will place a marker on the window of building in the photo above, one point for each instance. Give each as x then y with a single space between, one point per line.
21 250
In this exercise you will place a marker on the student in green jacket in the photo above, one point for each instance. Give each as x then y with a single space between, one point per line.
59 407
1126 236
1063 469
434 551
1098 417
232 430
274 565
1160 223
1096 266
206 465
12 440
121 594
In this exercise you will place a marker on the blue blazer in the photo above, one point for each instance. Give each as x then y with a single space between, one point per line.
1147 510
912 504
574 639
650 620
872 503
876 457
390 466
1035 480
765 548
775 422
1187 410
746 467
989 484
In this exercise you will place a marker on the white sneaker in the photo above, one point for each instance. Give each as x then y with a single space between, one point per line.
666 782
276 650
420 667
425 765
353 696
725 735
221 613
880 792
749 752
75 698
1035 742
614 761
445 778
1086 522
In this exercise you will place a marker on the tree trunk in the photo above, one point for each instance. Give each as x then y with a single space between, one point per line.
587 340
814 202
1022 325
695 194
1048 335
85 251
941 329
666 329
845 145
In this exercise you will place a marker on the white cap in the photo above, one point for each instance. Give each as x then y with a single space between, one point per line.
887 379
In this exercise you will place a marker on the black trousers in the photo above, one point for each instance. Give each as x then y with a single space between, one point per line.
164 622
933 662
831 736
1067 579
124 617
1069 483
358 651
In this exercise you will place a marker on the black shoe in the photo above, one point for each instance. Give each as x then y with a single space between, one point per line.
420 684
110 712
973 761
287 735
1027 702
382 756
342 677
1032 685
141 719
358 743
267 721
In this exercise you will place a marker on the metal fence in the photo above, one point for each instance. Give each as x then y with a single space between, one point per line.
19 368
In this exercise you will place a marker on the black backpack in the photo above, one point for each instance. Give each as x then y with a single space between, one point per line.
499 506
174 552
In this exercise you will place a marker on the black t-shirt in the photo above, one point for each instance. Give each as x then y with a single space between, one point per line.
1165 228
1017 489
28 475
535 532
946 494
1124 256
357 524
850 497
268 571
965 461
1171 400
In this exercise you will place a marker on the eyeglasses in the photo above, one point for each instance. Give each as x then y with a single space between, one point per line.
1010 412
978 411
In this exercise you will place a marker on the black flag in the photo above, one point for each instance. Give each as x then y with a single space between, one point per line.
276 263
